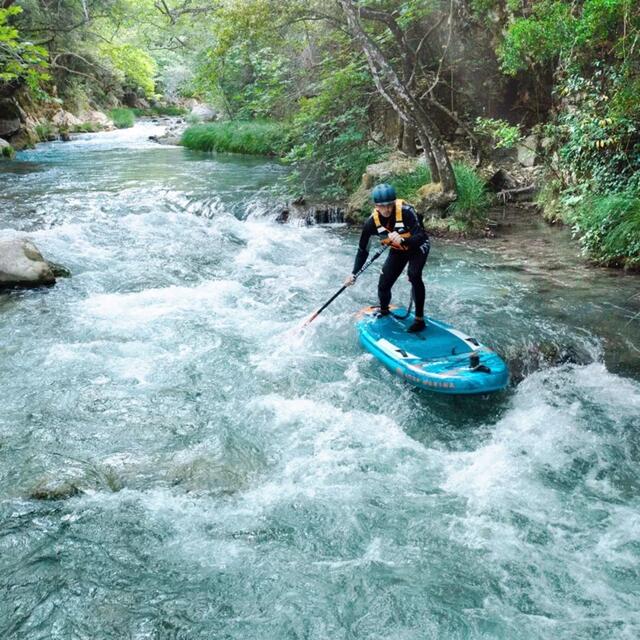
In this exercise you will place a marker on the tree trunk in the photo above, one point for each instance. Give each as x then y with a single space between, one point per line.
405 103
409 141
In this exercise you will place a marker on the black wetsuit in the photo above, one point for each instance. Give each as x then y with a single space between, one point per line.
397 259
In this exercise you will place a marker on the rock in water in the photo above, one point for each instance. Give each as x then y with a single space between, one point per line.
22 265
54 489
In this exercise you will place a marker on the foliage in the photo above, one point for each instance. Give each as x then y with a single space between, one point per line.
19 60
332 132
261 138
248 68
594 140
537 38
498 133
135 65
407 184
7 152
609 227
44 131
598 141
123 118
473 201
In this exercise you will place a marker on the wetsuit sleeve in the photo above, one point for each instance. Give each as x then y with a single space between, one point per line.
368 230
413 226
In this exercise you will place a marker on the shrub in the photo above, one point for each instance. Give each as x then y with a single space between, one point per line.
123 118
86 127
473 201
7 152
609 228
258 137
407 184
44 131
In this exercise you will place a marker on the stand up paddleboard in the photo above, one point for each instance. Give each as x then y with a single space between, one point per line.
440 358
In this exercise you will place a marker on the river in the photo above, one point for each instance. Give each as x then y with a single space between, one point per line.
225 477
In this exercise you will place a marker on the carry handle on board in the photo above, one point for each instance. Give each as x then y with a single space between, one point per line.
313 316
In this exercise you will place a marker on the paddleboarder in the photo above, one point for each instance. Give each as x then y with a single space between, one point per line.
397 224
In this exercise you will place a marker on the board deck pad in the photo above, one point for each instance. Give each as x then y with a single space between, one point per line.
440 358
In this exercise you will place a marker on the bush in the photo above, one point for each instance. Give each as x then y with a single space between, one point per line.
44 131
7 152
473 201
609 228
123 118
407 184
258 137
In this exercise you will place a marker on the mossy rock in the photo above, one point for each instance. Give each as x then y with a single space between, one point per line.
396 164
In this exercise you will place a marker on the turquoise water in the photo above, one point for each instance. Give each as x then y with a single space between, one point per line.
225 477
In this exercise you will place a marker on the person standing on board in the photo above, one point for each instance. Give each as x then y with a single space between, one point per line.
397 223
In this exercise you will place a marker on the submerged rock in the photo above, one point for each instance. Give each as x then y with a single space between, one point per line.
543 356
22 265
54 489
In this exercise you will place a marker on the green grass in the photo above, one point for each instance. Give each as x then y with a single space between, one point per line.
167 110
123 118
256 137
7 152
609 228
407 184
473 201
44 131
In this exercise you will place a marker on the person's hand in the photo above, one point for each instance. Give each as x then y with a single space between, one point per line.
350 280
395 238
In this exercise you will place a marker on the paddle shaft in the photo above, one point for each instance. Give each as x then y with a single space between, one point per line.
337 293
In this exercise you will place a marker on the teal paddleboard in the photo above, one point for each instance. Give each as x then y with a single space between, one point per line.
440 358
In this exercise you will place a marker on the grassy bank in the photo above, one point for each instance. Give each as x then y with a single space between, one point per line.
123 118
609 228
159 111
259 138
607 225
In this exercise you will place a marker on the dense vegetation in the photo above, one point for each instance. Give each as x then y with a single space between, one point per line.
335 86
256 137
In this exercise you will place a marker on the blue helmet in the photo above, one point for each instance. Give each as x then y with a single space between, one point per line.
383 194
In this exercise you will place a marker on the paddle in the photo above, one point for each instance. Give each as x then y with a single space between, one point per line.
373 258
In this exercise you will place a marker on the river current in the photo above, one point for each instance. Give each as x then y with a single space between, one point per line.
220 476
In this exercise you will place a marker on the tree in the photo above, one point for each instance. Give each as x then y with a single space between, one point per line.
402 99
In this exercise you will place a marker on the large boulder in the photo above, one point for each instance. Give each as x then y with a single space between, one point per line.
65 120
396 164
203 112
527 151
10 122
98 119
22 265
